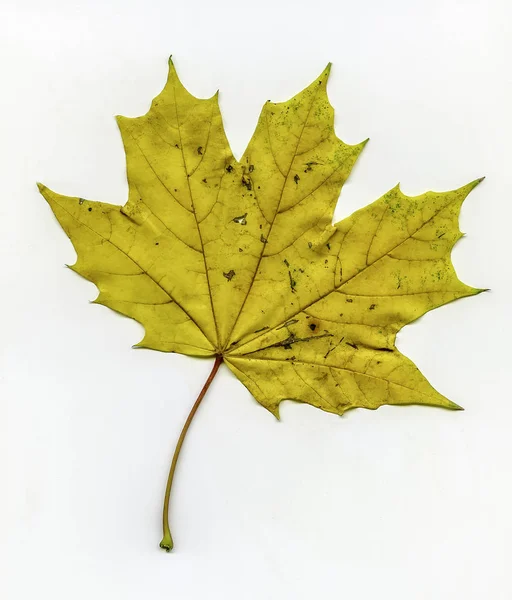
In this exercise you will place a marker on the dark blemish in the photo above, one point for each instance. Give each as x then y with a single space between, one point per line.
157 243
341 314
176 146
312 326
263 239
262 329
296 179
229 168
200 150
326 261
204 180
292 358
240 250
328 246
241 220
308 317
385 349
348 300
286 262
288 323
293 283
341 273
246 182
80 200
234 343
251 168
89 209
229 275
378 362
333 348
352 345
259 187
301 270
292 339
372 307
440 236
309 166
175 189
310 244
261 226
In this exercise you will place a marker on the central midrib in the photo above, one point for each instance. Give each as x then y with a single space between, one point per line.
228 337
195 217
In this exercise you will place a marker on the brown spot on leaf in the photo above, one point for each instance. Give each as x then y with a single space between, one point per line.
229 275
246 182
293 283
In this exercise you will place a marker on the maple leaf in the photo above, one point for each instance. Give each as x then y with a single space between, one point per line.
240 259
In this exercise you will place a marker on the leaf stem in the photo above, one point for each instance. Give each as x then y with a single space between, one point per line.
167 543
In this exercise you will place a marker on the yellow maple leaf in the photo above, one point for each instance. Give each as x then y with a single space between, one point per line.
240 259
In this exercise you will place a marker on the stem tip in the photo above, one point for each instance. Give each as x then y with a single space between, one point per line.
167 543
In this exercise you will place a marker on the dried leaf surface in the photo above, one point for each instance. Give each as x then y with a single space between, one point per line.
241 259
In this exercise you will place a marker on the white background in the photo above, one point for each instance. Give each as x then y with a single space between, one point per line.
402 503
